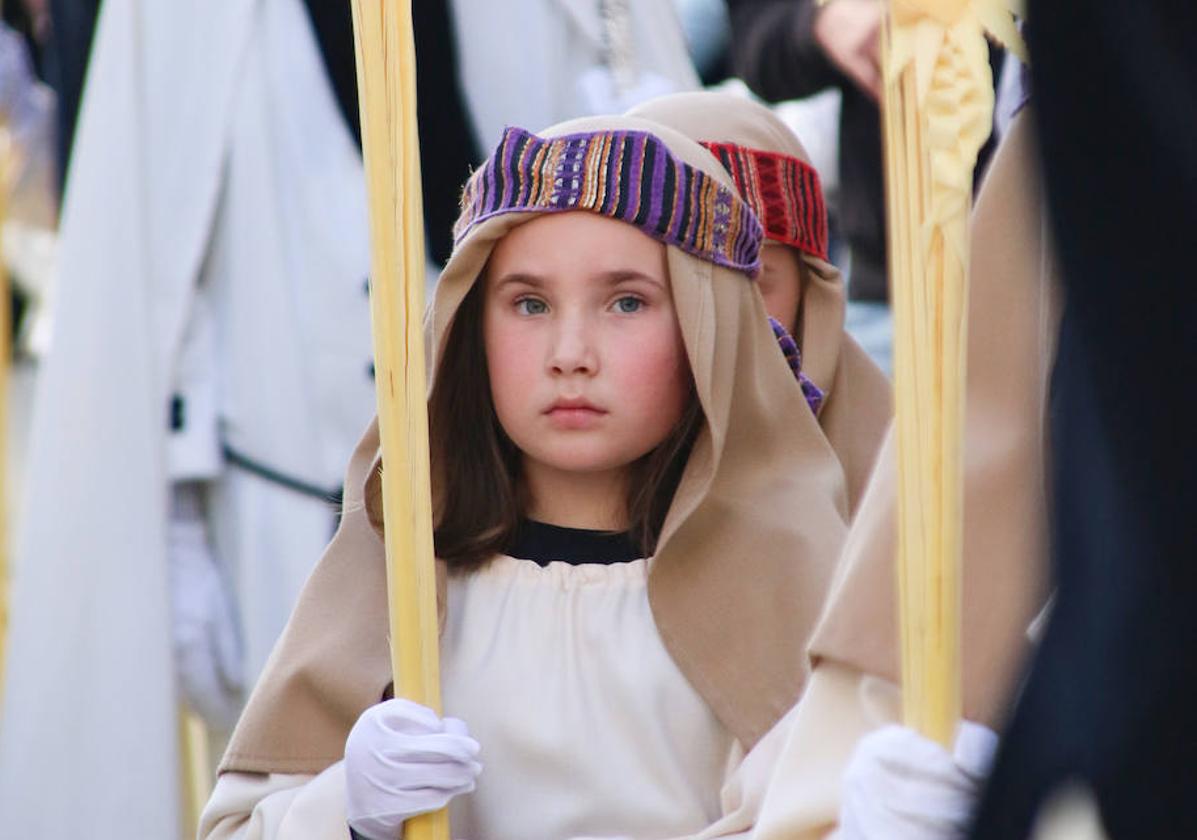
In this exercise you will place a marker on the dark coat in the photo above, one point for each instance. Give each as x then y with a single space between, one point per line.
1111 697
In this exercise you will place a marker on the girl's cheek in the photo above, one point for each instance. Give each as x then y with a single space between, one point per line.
510 355
654 360
514 366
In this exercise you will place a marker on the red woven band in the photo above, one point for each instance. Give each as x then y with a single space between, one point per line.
783 191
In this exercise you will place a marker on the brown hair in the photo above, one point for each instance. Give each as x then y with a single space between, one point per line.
477 492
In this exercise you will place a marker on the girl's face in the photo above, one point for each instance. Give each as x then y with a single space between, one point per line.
587 368
780 283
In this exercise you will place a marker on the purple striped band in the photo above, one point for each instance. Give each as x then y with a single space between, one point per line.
626 175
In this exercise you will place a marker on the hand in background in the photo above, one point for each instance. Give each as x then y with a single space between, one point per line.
849 31
206 642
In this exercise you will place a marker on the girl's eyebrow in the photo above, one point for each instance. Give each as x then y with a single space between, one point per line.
618 276
521 278
611 278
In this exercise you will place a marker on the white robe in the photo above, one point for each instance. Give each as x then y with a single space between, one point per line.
286 277
191 173
588 728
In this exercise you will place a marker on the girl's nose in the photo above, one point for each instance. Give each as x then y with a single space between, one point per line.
572 351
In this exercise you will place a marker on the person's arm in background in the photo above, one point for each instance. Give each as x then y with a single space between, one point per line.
205 635
787 49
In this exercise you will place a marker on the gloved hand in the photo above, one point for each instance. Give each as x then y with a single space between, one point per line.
402 759
206 643
902 786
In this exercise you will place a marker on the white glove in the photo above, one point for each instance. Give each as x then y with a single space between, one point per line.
402 759
902 786
204 629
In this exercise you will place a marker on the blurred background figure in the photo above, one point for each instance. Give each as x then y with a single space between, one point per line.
27 117
27 112
208 375
788 49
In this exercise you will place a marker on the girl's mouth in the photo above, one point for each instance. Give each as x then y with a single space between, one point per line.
574 413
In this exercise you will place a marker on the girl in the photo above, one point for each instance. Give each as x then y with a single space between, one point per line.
636 516
802 290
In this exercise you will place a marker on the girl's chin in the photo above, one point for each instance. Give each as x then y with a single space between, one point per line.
583 462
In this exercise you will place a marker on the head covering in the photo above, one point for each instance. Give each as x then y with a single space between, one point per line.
775 176
758 520
1005 553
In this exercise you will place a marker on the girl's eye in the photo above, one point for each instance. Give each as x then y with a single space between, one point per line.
531 306
627 305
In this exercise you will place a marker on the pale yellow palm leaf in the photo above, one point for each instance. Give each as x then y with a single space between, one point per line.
938 113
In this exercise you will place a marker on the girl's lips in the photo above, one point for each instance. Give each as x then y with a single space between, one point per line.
571 403
572 417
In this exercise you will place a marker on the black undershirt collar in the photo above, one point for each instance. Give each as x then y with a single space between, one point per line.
543 544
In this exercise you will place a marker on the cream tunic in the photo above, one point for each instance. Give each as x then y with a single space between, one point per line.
563 679
587 727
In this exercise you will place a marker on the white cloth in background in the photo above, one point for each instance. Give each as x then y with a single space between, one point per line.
816 121
209 155
291 355
90 707
521 62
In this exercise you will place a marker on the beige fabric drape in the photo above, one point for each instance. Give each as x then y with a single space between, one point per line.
1010 344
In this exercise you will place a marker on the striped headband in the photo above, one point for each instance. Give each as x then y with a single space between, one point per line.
626 175
783 191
